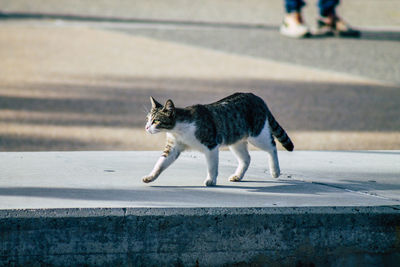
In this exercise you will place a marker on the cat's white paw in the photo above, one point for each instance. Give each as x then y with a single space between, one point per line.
209 182
148 179
275 174
235 178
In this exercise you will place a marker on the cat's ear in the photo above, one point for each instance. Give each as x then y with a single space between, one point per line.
169 107
154 103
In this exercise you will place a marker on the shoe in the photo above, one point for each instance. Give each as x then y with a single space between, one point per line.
293 27
336 27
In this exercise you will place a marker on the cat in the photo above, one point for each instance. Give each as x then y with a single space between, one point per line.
232 121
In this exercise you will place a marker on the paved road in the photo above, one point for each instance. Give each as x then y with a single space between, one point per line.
85 84
81 85
253 30
375 55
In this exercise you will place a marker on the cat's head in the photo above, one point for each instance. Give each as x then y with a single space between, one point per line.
160 117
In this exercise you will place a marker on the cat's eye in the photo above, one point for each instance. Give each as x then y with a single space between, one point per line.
156 121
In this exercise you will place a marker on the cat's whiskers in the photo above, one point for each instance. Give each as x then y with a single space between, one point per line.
232 121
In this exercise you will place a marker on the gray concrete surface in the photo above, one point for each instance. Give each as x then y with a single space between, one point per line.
113 179
330 236
326 209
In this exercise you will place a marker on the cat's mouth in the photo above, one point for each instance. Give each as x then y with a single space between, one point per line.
152 130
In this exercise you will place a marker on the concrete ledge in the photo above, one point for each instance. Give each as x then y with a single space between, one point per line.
91 208
318 236
46 180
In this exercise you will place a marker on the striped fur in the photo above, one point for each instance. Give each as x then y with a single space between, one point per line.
230 121
280 133
168 147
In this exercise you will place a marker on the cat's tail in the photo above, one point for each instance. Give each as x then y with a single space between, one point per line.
280 134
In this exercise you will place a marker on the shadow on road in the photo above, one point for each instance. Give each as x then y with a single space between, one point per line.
123 101
380 35
159 194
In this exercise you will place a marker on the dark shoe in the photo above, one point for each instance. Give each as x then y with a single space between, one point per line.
336 27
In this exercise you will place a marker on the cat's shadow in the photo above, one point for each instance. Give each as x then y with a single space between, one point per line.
234 185
281 186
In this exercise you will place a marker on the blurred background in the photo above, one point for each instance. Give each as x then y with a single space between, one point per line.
77 74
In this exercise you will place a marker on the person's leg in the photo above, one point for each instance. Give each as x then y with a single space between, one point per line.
327 7
293 6
293 25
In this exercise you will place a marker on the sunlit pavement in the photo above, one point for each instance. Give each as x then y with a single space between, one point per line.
79 86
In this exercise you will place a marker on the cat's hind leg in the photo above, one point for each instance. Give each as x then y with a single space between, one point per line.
265 141
212 166
242 155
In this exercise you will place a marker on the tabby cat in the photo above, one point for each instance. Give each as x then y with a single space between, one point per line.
231 121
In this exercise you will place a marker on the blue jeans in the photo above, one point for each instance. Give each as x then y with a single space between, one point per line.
326 7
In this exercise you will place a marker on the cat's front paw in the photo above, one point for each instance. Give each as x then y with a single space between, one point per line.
275 174
148 179
235 178
209 182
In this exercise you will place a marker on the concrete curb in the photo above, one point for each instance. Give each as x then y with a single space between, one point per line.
208 211
318 236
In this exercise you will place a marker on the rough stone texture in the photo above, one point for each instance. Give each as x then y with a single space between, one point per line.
367 236
329 209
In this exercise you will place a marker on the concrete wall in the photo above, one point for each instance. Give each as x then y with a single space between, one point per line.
329 236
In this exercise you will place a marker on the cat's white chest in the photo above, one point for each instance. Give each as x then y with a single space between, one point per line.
184 133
